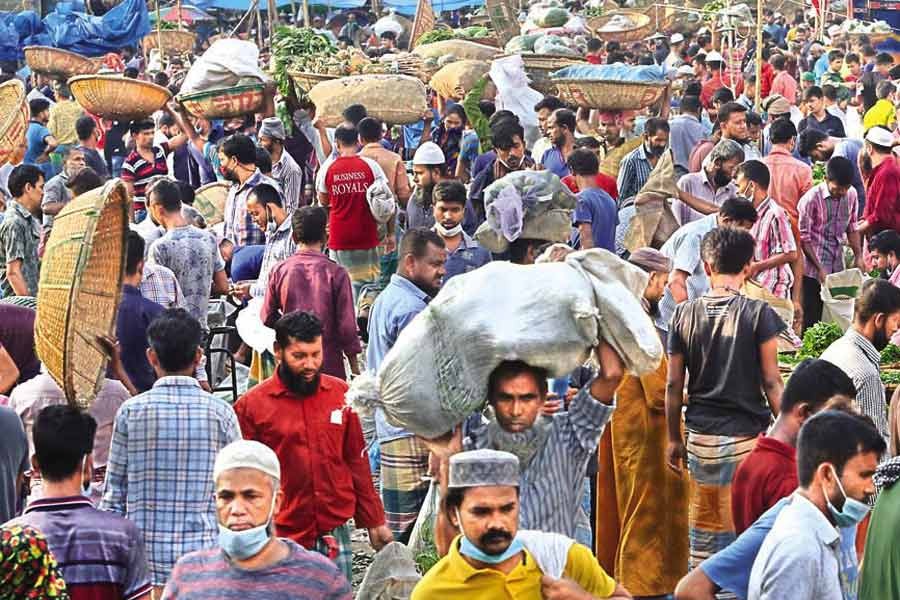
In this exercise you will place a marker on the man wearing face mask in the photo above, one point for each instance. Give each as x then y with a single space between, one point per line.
429 167
329 481
636 166
837 454
463 253
491 556
285 169
250 560
265 206
876 318
101 554
704 192
732 119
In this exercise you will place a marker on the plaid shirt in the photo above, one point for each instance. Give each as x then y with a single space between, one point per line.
824 223
160 285
279 246
634 170
20 232
773 235
240 229
159 473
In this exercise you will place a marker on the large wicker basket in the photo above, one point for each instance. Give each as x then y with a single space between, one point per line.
608 94
173 41
643 27
303 82
540 66
225 103
209 201
13 117
80 288
59 64
118 98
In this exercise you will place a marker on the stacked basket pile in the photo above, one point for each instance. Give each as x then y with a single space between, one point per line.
13 117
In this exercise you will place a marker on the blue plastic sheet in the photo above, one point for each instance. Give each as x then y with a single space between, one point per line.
408 7
614 72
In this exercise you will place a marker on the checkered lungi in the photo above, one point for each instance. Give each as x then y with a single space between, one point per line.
404 464
363 266
344 559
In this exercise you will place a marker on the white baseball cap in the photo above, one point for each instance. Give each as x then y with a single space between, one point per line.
429 153
880 137
676 38
714 57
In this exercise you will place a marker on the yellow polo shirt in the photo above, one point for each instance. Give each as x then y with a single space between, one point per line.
452 578
882 113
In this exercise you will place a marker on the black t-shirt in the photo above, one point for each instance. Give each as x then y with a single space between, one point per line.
114 145
720 339
830 125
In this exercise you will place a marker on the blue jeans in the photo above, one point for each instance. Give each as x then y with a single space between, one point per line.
117 162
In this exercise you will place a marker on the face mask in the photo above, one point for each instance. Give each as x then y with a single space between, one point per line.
852 512
85 490
513 164
469 549
452 232
248 543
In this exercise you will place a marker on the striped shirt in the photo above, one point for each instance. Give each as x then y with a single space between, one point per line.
159 473
859 359
824 224
101 555
634 170
698 184
552 485
210 575
289 176
772 232
139 171
684 250
279 246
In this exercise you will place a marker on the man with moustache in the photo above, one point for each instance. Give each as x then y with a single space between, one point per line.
328 481
429 167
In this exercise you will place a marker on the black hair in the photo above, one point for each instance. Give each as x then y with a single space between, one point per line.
308 224
778 62
165 193
62 436
852 57
834 437
130 73
369 130
550 103
614 56
835 54
809 139
812 92
487 108
453 500
829 91
727 250
840 170
583 162
876 296
140 125
724 95
449 190
518 249
513 368
415 242
267 194
388 35
84 127
458 110
565 117
38 105
166 120
134 254
83 181
21 176
161 79
728 109
589 142
298 325
753 118
240 147
690 105
694 89
594 44
175 336
756 171
185 192
346 136
885 242
355 113
501 115
503 132
814 382
781 131
655 124
646 59
884 58
263 160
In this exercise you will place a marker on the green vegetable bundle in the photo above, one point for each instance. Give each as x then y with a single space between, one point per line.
890 355
291 45
711 9
818 173
817 338
474 32
890 377
435 35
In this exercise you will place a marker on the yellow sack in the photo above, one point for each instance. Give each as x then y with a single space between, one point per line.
461 49
395 99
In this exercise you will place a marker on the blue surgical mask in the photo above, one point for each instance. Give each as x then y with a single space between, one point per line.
242 545
853 511
469 549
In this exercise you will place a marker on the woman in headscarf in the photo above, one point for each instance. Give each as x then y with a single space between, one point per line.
449 133
28 569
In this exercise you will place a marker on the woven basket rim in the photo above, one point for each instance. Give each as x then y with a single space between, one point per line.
609 82
645 18
118 77
293 73
220 92
54 50
13 113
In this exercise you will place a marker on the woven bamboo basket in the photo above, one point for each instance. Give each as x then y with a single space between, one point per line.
209 201
59 64
80 289
173 41
13 117
540 66
225 103
303 81
610 95
643 27
118 98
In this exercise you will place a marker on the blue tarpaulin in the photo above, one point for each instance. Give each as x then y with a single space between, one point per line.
124 25
408 7
405 7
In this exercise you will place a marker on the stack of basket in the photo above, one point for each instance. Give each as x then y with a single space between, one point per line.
642 27
58 64
13 117
118 98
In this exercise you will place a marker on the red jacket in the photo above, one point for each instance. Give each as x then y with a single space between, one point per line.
325 472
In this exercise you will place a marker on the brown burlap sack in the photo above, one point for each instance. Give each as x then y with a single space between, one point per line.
395 99
653 222
461 49
462 73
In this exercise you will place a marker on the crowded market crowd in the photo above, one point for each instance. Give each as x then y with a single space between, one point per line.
714 475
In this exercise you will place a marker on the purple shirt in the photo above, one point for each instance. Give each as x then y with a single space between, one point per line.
312 282
17 337
824 223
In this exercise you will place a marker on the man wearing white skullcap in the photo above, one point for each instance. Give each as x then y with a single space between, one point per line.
429 167
250 561
492 557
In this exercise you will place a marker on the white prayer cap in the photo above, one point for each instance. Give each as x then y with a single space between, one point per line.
247 454
714 57
676 38
477 468
880 137
429 153
686 70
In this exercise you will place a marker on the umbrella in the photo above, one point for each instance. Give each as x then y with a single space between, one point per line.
186 14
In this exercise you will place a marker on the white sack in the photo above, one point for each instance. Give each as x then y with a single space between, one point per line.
223 65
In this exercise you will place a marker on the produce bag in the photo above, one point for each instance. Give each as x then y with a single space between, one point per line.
613 72
225 64
514 93
839 296
395 99
522 43
461 49
436 373
557 46
391 576
462 73
787 340
548 16
421 538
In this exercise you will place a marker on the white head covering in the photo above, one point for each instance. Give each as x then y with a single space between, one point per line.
880 137
272 127
429 153
477 468
714 57
247 454
676 38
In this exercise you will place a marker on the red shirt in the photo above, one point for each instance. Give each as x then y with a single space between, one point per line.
325 472
768 474
883 197
715 83
593 59
346 179
604 182
768 75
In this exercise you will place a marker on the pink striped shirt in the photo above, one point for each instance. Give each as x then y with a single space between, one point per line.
773 235
824 224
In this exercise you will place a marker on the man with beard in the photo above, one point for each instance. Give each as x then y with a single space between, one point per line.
492 557
429 167
876 318
882 208
404 459
732 120
463 253
56 192
702 193
561 131
300 413
636 166
546 107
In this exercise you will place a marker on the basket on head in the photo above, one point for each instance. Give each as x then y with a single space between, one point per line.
174 41
225 103
80 288
209 201
643 26
303 81
609 94
538 67
59 64
118 98
13 117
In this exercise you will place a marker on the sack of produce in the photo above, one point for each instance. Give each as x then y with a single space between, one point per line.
461 49
437 372
556 45
395 99
839 296
392 574
550 16
653 221
227 63
462 73
522 43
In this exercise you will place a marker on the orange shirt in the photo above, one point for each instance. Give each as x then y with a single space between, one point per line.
789 179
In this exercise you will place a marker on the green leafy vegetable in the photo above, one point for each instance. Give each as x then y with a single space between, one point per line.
818 173
817 338
890 354
290 44
435 35
890 377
